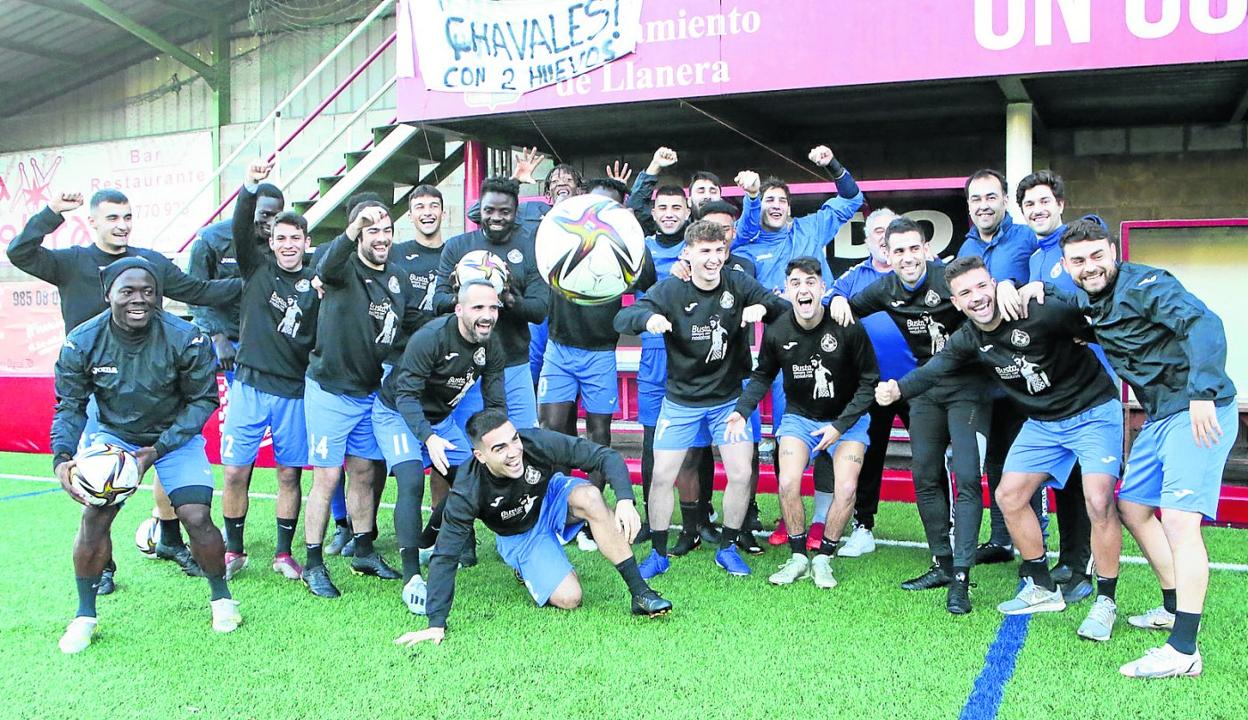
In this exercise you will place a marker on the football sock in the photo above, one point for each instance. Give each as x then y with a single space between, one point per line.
828 546
234 533
1107 586
86 594
314 556
1169 599
338 504
220 590
1038 571
285 534
945 562
658 541
797 544
171 533
691 517
411 562
363 544
964 571
728 537
632 576
1183 636
111 566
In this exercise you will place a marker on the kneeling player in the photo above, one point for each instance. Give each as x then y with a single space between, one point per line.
513 485
154 378
1073 413
830 374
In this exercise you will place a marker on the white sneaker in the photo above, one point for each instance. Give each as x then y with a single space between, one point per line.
1156 619
797 567
1099 624
225 615
585 542
1164 662
1032 598
78 635
414 595
860 542
821 572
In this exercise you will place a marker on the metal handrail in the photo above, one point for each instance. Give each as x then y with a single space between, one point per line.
276 112
289 181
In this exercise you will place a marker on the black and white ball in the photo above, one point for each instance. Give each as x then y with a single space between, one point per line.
106 474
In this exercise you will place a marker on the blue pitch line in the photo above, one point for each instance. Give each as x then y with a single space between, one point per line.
29 494
985 698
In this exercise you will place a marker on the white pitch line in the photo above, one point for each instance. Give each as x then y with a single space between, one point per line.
1129 559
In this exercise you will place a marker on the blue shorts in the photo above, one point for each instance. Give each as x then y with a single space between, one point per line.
521 400
778 404
570 371
538 554
399 445
1093 438
538 333
681 427
338 425
184 466
796 426
249 413
1167 469
651 384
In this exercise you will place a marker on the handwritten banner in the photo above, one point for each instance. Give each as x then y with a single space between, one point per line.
483 46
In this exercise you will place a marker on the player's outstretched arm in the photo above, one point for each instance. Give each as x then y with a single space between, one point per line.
458 515
26 251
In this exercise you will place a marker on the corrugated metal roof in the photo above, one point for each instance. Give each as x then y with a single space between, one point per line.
48 47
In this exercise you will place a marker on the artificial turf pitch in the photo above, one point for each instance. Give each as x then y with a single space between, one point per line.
733 647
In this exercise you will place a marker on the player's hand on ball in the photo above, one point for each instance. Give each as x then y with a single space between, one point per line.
828 435
734 427
840 312
64 472
682 270
658 324
412 639
821 155
437 446
627 519
1010 302
257 171
61 203
146 457
664 157
753 314
887 393
748 181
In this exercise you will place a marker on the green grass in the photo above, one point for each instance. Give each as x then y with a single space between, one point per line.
732 648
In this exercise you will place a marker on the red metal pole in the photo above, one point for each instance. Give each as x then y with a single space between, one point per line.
474 174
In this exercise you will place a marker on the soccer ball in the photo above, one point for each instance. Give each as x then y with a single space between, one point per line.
106 474
146 537
590 249
482 265
414 595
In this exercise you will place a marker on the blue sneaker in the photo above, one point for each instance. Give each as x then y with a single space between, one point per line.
654 564
728 559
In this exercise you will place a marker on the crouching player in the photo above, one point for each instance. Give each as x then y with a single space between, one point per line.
513 486
154 378
830 374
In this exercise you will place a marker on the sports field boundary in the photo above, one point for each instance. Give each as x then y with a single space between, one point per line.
1129 559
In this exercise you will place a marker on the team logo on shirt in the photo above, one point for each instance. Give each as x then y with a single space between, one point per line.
393 284
931 299
106 369
1056 272
478 357
814 369
303 285
1020 339
789 345
515 256
532 475
411 278
726 301
828 343
691 307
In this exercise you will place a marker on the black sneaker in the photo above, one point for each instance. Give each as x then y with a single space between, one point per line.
747 542
991 553
348 548
651 604
643 535
1061 573
752 523
181 555
342 536
374 565
934 577
107 584
686 543
318 582
958 599
709 534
